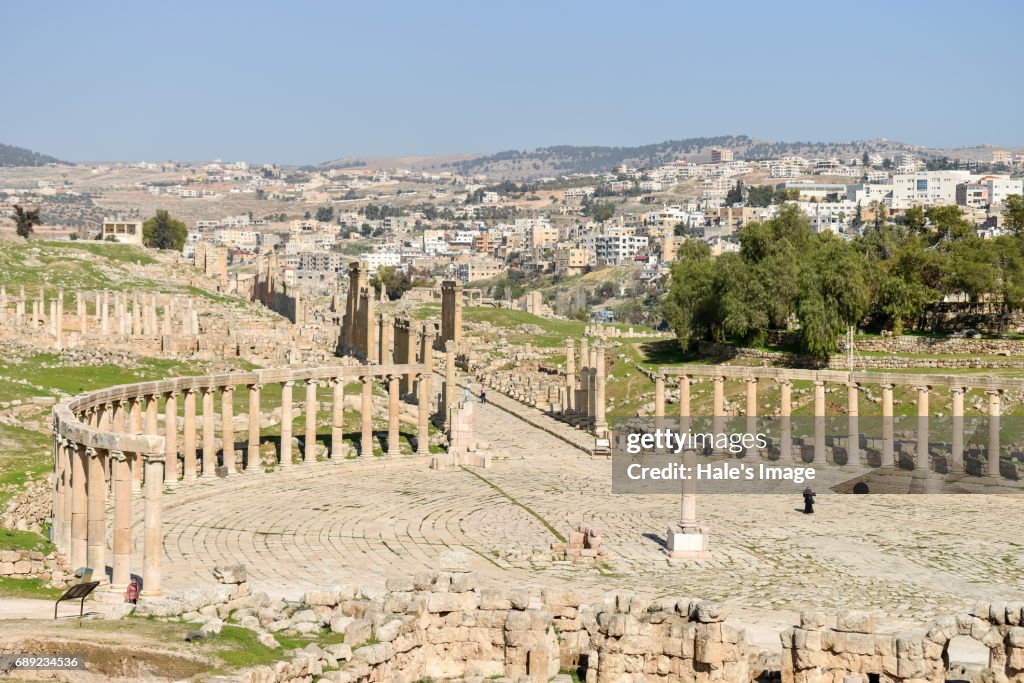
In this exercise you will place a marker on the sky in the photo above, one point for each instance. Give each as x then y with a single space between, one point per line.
305 82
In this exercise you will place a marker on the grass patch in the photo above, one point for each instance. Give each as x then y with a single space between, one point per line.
27 588
11 539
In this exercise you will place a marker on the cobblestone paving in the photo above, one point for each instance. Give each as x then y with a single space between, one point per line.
911 558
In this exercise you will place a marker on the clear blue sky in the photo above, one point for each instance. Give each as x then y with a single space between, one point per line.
304 82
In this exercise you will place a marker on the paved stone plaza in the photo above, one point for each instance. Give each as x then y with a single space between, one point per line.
910 558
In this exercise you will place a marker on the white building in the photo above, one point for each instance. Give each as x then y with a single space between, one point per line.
926 188
1001 187
614 247
380 259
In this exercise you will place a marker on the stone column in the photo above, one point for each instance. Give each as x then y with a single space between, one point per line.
957 455
70 449
600 421
189 442
59 483
785 421
309 449
393 405
751 414
427 358
338 418
570 377
153 540
227 427
209 435
59 322
135 427
106 412
105 314
923 460
659 401
286 423
718 405
819 421
96 515
252 463
79 508
386 356
449 379
171 438
888 447
993 432
684 403
366 408
423 416
122 474
853 426
83 317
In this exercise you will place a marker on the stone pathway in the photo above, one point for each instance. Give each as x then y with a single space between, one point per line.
910 558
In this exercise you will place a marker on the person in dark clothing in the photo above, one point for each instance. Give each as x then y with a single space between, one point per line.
808 502
483 394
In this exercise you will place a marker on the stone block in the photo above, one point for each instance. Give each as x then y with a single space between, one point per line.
451 602
234 573
403 584
495 599
358 631
812 620
708 612
855 622
453 561
323 597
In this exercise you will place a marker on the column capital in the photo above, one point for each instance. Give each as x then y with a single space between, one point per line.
312 381
750 380
74 444
958 390
209 389
685 379
288 383
888 386
994 392
449 346
173 393
154 457
124 403
117 456
368 379
819 382
227 389
394 377
256 386
922 388
92 452
570 343
852 385
719 378
190 390
784 381
108 406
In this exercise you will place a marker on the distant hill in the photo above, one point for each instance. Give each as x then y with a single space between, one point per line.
567 159
19 156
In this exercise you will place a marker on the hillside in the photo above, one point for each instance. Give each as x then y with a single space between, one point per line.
569 159
19 156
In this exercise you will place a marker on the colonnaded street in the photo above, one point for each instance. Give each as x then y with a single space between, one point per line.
910 558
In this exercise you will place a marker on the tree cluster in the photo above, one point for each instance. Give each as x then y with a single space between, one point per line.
163 232
786 277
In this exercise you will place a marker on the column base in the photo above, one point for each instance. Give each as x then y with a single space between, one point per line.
687 543
147 594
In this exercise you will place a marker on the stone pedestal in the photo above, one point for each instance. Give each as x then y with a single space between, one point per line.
687 542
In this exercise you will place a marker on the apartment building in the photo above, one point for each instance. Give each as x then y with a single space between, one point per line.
814 190
614 247
720 155
477 268
323 261
926 188
572 260
128 232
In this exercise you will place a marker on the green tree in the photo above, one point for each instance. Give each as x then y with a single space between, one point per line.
915 220
163 232
688 298
325 214
25 220
1013 214
833 294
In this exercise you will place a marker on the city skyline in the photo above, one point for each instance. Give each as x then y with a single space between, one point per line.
258 83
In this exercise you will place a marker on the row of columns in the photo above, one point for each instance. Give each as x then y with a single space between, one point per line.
112 315
85 476
854 456
583 398
79 512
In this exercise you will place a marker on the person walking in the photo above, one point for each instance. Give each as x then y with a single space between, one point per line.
132 594
483 394
468 398
808 501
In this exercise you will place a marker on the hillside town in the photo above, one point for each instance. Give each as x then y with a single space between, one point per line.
437 224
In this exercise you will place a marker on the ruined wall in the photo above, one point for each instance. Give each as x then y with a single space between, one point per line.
816 653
